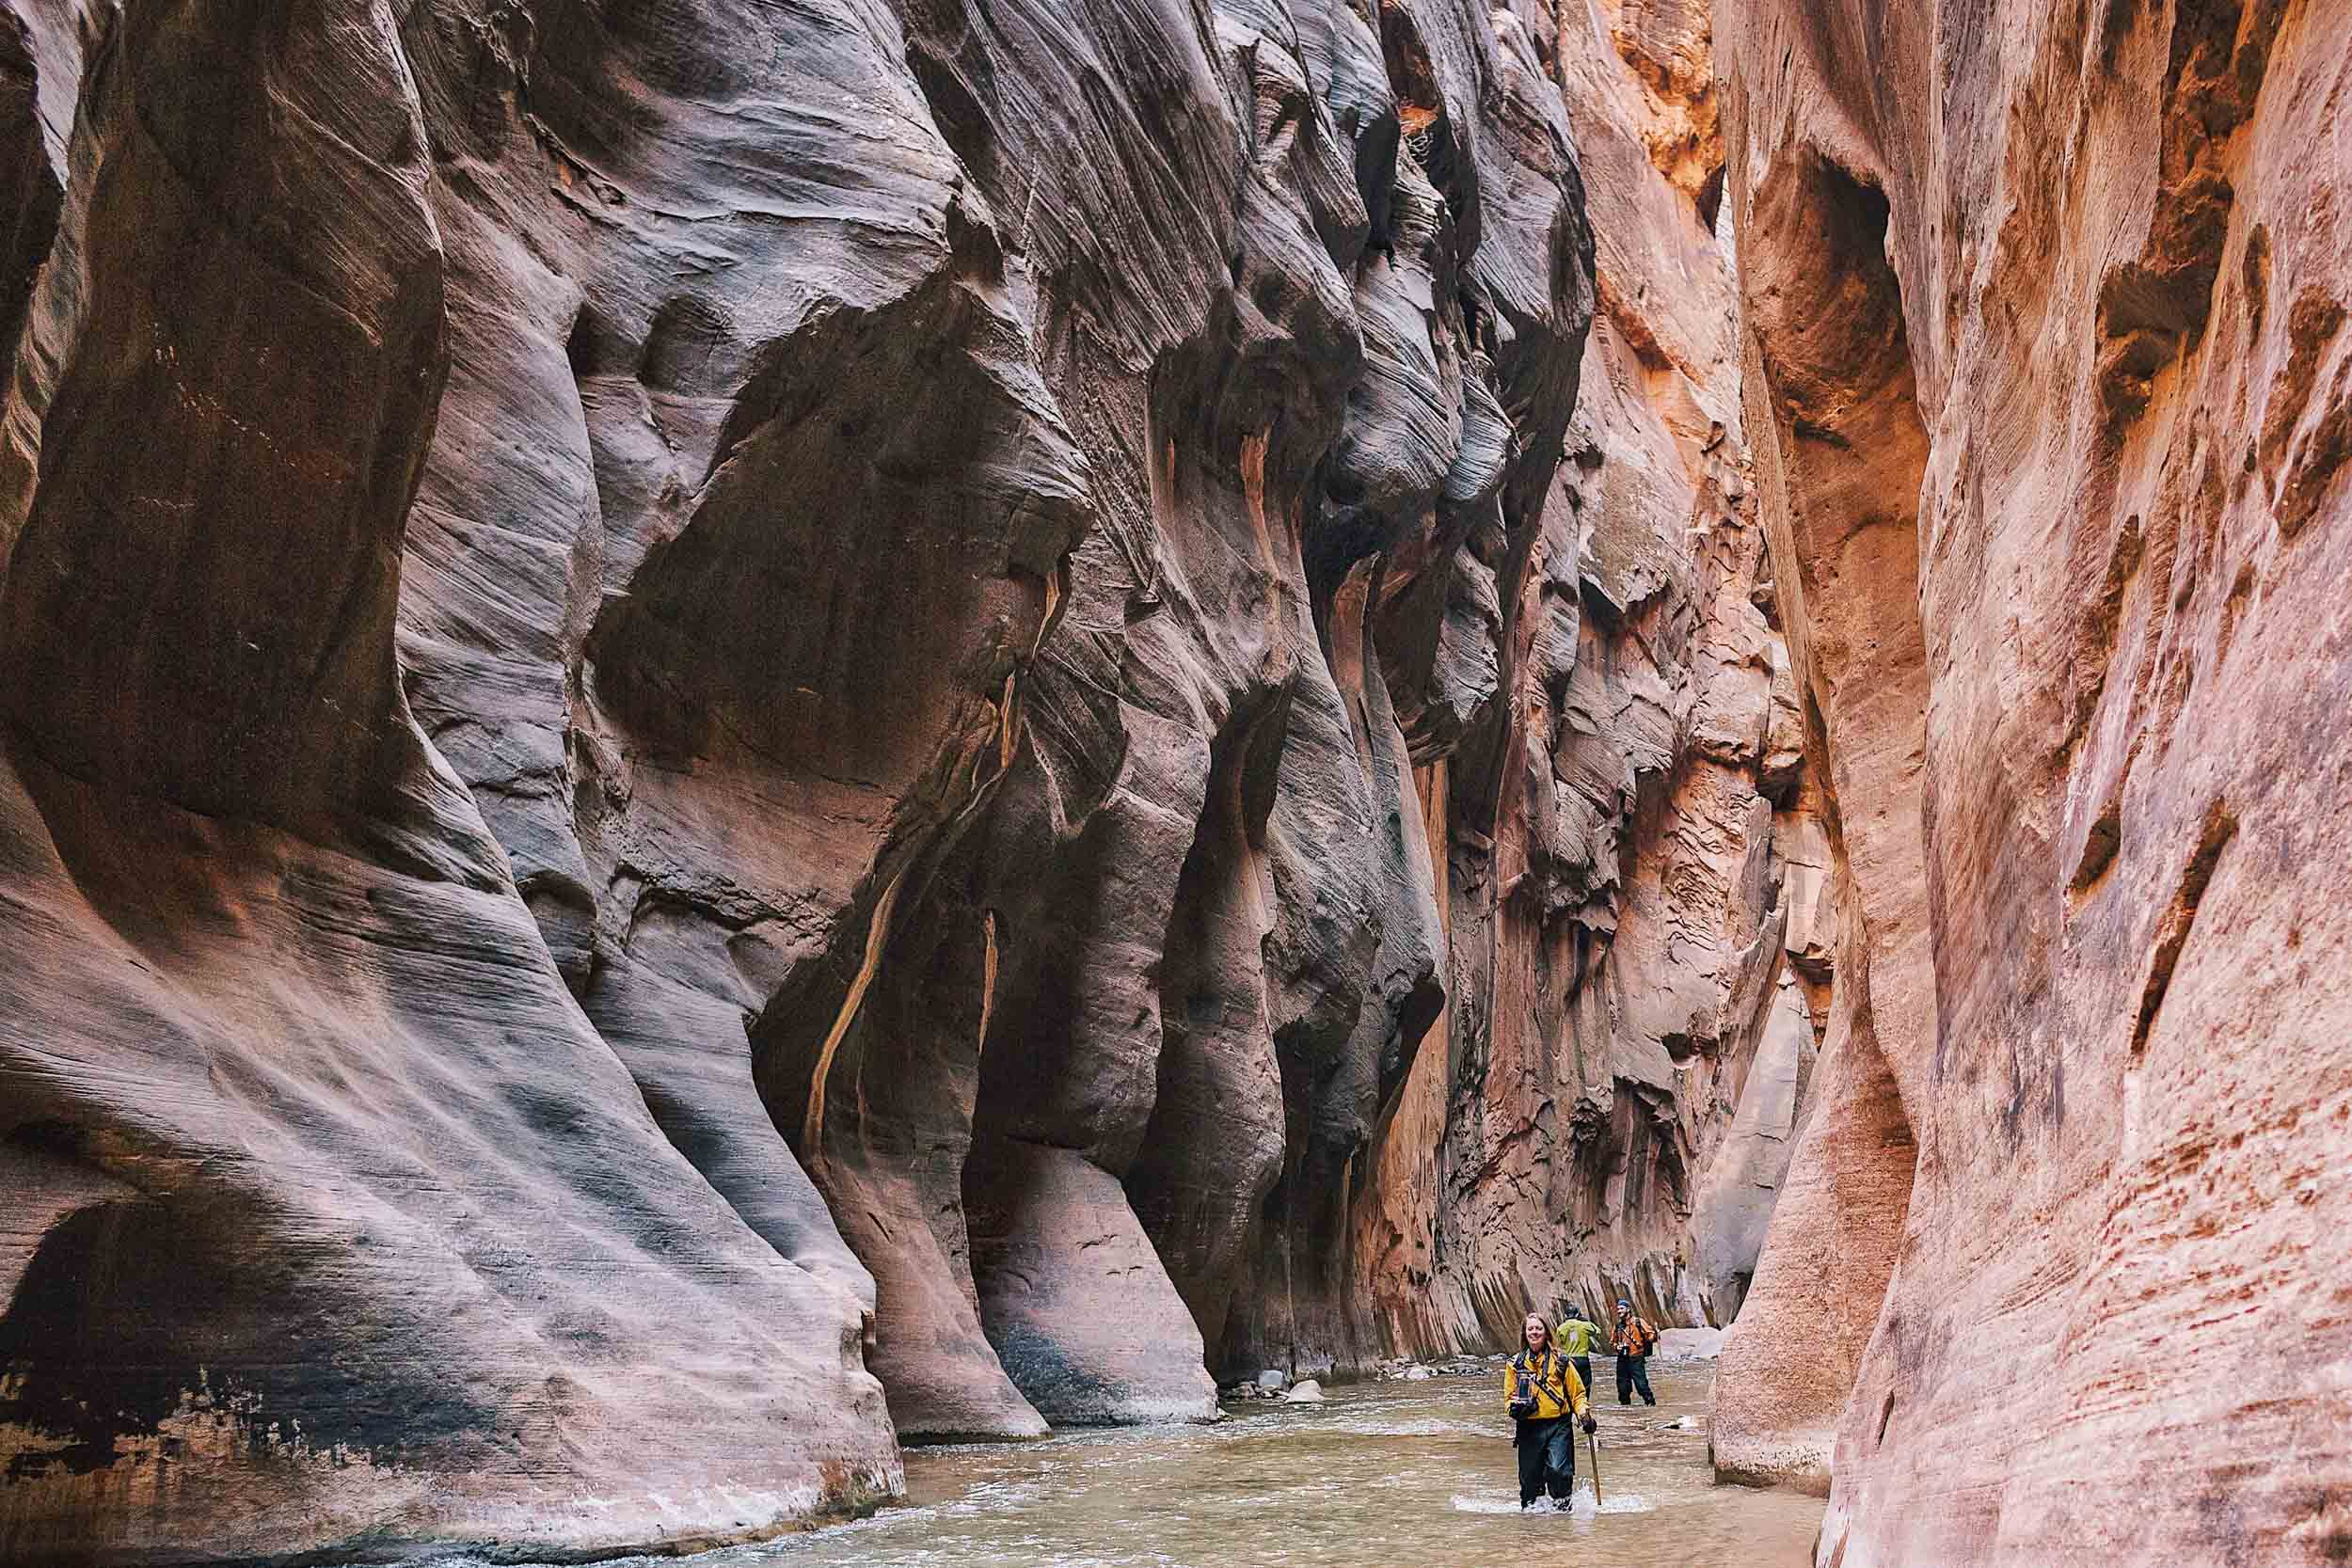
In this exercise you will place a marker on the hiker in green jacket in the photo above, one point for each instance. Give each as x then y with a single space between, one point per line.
1574 1337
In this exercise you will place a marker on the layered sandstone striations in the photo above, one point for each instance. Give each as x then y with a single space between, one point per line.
701 699
2042 320
1626 845
1050 1075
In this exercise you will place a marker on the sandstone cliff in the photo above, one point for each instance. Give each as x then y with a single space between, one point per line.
1627 848
2042 319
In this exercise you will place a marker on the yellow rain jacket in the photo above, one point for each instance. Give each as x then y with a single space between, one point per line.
1549 1376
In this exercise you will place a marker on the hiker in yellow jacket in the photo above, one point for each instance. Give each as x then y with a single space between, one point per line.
1542 1392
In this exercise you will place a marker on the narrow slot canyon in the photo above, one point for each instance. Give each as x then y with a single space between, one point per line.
764 764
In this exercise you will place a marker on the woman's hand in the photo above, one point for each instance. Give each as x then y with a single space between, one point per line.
1591 1426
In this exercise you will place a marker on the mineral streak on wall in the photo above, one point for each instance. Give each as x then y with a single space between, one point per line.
2050 399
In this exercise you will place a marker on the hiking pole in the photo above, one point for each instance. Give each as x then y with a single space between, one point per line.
1592 1448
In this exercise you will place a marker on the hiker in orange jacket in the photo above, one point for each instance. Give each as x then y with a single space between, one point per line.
1634 1338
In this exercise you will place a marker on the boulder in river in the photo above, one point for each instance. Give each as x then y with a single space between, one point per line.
1689 1344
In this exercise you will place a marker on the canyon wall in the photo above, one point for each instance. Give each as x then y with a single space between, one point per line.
2050 399
1630 857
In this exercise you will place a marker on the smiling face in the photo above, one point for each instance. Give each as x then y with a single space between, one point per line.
1536 1331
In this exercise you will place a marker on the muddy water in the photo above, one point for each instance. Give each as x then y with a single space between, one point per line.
1393 1474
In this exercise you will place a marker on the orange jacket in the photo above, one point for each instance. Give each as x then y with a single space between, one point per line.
1634 1336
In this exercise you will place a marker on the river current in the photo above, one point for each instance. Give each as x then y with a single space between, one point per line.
1382 1475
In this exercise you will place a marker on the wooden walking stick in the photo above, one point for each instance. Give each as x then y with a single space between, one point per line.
1592 1446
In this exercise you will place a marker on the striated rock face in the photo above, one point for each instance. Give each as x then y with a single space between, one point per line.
732 733
331 1216
1610 1100
1078 1073
2042 320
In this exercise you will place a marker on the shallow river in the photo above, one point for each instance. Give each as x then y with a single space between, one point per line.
1384 1475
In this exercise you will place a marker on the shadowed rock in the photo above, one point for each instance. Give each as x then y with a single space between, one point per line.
1604 724
323 1157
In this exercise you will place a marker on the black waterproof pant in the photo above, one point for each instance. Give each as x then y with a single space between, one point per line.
1583 1365
1547 1459
1633 1373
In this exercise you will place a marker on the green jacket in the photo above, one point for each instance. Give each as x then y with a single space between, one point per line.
1574 1337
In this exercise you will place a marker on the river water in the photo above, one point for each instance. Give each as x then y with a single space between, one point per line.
1383 1475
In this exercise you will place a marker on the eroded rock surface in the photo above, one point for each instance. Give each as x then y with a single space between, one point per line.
1610 1098
732 730
1106 1052
332 1219
2043 317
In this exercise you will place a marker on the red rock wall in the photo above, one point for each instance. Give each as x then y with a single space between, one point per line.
331 1215
1611 1096
2041 309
